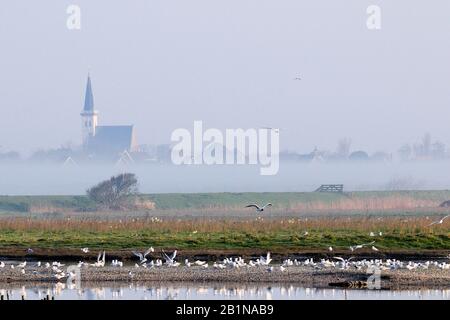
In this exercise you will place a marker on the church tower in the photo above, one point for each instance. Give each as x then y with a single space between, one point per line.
89 117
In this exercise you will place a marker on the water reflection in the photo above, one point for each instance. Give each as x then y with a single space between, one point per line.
174 291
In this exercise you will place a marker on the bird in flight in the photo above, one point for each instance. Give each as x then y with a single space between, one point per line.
297 78
142 257
258 208
170 260
440 221
359 246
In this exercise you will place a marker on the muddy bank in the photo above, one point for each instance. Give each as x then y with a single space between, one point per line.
299 275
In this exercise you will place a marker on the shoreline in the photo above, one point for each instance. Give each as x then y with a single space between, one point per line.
294 275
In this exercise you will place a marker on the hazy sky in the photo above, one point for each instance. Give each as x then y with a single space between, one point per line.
162 64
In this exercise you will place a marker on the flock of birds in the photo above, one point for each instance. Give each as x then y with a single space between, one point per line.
169 260
341 263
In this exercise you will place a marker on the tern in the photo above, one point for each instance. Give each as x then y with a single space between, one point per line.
359 246
85 250
258 208
265 260
100 260
142 256
200 263
440 221
170 260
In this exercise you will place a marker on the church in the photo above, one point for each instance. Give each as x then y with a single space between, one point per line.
103 141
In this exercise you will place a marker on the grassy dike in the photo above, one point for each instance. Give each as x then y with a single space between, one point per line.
28 226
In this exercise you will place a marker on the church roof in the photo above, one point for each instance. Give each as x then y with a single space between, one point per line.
89 97
112 140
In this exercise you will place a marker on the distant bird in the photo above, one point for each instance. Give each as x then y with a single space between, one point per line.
2 264
100 260
330 248
170 260
359 246
258 208
85 250
142 257
305 233
440 221
374 248
200 263
265 260
297 78
282 268
30 251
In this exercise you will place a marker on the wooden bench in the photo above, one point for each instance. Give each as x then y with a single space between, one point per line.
339 188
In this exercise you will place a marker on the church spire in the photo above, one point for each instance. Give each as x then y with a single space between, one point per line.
89 97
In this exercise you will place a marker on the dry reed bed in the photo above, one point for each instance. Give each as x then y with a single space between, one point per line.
361 224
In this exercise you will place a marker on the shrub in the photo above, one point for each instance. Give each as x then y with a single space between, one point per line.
116 192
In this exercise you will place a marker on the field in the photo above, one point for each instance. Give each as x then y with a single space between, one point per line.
297 221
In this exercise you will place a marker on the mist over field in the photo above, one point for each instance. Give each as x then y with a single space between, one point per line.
74 180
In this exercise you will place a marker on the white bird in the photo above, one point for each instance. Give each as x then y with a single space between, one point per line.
142 256
116 263
265 260
170 260
282 268
439 221
38 264
2 264
200 263
359 246
187 263
330 248
100 260
85 250
258 208
374 248
22 265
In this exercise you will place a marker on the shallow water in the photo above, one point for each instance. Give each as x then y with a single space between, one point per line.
157 291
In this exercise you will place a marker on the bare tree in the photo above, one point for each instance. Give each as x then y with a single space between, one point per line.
115 192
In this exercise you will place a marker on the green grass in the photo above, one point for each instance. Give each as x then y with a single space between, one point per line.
221 240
